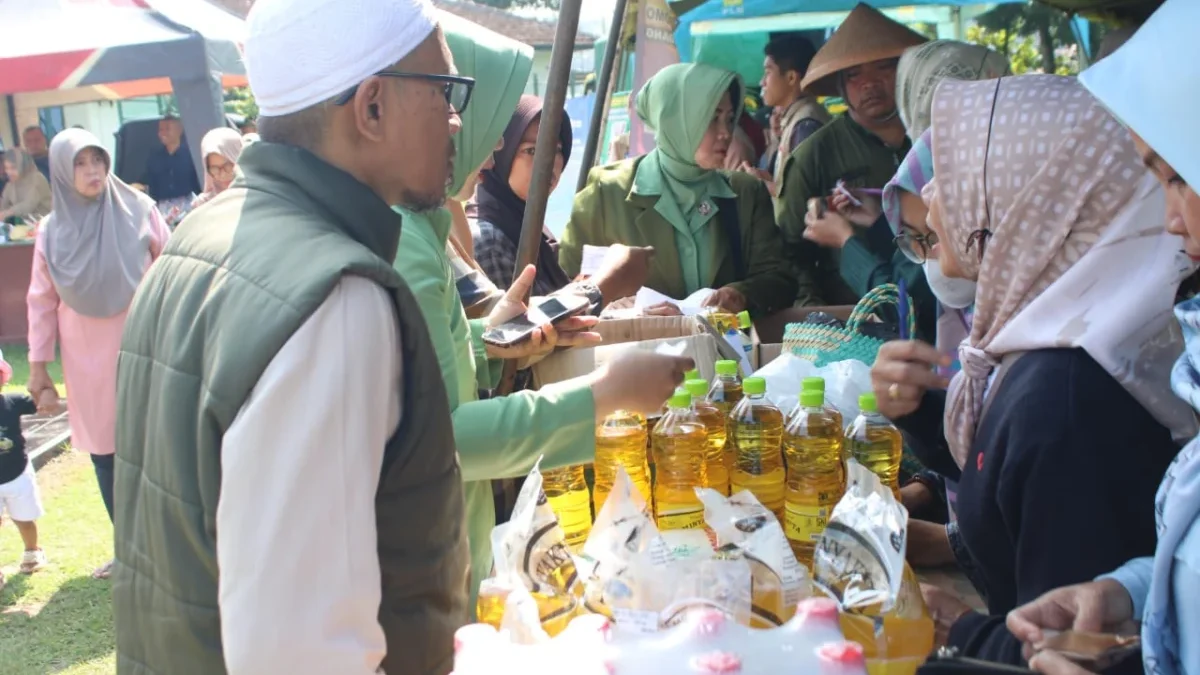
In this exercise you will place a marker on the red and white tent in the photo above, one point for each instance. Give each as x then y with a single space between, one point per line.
66 44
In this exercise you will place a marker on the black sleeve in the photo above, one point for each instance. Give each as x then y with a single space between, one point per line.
1081 465
23 404
924 431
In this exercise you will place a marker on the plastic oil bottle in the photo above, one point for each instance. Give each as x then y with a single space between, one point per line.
620 442
680 446
714 422
567 491
725 393
818 384
812 444
756 434
875 443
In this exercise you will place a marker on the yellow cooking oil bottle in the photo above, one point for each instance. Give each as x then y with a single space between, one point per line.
724 393
620 442
875 443
680 442
756 434
714 423
818 384
567 492
812 445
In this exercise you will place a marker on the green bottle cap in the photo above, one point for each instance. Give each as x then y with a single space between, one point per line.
692 374
811 398
681 399
813 384
754 386
744 319
867 403
696 387
727 368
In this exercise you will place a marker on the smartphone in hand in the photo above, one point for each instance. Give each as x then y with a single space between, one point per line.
548 310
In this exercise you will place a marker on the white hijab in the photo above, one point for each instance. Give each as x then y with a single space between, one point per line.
96 249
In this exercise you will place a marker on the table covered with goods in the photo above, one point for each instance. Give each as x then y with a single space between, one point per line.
753 526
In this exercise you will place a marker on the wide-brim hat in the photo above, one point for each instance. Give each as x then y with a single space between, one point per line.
865 36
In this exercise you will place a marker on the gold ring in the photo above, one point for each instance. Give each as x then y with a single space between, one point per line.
894 391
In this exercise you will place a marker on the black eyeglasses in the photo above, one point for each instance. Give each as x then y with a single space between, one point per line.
914 245
457 89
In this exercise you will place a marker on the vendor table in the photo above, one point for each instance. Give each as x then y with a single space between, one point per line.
16 263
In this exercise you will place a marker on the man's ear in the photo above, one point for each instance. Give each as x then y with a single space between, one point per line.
368 107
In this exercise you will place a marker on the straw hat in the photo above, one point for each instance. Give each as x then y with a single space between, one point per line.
865 36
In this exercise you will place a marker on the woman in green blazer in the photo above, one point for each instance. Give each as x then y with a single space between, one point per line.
709 228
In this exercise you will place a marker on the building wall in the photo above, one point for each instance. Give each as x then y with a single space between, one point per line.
582 62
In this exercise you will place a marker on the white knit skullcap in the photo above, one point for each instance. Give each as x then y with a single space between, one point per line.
301 52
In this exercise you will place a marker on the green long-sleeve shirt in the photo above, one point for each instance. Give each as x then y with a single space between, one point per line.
863 269
841 150
498 437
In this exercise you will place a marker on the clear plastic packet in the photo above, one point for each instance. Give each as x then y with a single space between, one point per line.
534 546
746 530
530 560
522 622
705 584
859 561
622 552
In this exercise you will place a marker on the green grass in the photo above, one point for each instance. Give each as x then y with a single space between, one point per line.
18 357
59 620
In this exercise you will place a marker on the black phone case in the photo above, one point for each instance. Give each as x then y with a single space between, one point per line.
946 661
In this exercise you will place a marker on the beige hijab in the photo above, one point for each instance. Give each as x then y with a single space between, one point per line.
924 66
1068 206
227 143
28 197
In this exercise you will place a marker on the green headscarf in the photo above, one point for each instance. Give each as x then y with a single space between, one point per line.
501 68
677 104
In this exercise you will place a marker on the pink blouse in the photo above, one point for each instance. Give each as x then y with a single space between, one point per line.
89 347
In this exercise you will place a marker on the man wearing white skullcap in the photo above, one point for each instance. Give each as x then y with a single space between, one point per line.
289 498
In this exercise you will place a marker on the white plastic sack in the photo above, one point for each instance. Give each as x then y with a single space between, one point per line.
844 382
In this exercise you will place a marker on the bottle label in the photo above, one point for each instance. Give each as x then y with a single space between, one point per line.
805 523
685 518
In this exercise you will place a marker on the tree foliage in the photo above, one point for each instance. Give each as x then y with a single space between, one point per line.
1036 38
240 101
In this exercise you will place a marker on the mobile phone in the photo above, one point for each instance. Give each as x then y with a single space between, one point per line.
549 310
947 661
817 207
1093 651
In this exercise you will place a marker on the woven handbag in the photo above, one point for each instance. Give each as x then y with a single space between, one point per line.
823 344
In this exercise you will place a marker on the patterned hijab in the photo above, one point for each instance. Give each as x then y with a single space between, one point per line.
96 249
1066 201
924 66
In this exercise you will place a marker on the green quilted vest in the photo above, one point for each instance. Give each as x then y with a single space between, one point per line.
236 280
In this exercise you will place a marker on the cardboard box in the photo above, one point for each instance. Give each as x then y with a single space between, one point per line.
702 343
767 332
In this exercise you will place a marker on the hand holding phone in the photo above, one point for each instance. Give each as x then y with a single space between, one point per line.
545 312
1091 651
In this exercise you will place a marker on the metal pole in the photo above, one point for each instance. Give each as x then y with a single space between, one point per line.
547 150
603 94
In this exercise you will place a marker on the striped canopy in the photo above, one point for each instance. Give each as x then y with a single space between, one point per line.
62 44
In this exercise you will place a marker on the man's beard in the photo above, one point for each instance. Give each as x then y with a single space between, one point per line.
419 202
